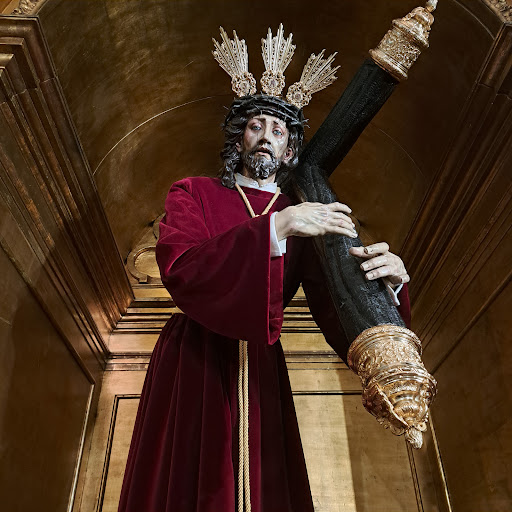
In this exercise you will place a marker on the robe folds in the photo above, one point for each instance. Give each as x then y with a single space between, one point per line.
215 261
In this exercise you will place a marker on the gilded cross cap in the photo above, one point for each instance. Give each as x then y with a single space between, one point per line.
404 42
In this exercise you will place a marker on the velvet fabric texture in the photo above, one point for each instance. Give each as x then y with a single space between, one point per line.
215 261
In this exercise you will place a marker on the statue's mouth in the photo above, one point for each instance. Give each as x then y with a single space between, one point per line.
269 154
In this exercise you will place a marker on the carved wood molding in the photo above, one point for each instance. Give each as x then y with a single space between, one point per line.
49 193
28 7
476 161
455 187
502 8
148 316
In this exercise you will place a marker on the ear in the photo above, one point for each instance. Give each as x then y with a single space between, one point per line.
289 154
238 147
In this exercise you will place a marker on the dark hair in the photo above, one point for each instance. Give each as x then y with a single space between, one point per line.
234 126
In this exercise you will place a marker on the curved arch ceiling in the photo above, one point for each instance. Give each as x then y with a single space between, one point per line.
148 99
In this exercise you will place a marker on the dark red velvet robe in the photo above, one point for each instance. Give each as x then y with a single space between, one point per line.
215 261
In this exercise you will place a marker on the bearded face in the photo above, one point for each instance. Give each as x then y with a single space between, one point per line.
264 146
258 164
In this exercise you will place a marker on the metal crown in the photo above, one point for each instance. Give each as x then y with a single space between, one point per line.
277 53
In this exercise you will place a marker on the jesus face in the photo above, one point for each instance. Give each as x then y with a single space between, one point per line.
264 146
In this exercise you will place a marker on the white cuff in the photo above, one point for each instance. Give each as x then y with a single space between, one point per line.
393 292
277 247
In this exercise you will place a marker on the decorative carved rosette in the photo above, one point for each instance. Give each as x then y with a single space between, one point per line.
403 44
243 85
272 83
298 95
397 389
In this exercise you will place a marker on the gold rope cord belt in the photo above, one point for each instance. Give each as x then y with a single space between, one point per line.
244 486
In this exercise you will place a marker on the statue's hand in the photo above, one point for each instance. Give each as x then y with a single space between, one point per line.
314 219
381 263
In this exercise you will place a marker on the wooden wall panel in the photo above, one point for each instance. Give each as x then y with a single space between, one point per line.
7 6
472 413
477 153
47 184
45 398
461 254
63 284
105 469
353 463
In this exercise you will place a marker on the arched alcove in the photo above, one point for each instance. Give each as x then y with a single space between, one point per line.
148 98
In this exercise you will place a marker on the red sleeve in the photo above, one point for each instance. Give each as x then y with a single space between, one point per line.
228 282
405 305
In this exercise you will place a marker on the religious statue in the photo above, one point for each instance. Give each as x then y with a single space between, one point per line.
216 428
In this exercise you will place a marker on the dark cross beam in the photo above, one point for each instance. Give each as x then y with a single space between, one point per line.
360 304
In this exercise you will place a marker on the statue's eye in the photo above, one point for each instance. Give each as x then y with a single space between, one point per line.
278 132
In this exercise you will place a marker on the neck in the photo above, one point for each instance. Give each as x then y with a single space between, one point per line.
261 182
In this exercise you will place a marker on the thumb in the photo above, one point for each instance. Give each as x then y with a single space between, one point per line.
356 251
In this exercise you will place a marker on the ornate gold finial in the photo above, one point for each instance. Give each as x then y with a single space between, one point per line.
404 42
431 5
397 389
317 75
234 60
277 53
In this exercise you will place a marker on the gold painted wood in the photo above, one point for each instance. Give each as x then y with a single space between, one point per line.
54 232
117 385
46 399
461 294
7 6
121 438
448 155
353 464
49 190
399 155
